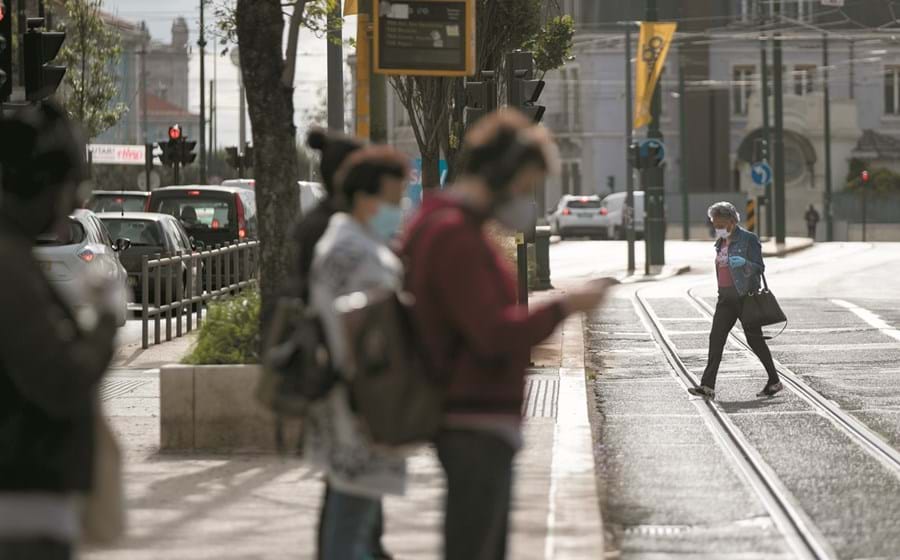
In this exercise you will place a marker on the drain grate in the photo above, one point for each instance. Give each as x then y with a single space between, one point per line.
112 388
541 395
656 530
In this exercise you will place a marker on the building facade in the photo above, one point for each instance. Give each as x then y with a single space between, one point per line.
718 56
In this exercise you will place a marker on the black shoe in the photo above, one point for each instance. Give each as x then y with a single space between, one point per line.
771 390
702 391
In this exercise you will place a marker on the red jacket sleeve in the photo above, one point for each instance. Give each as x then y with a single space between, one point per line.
470 290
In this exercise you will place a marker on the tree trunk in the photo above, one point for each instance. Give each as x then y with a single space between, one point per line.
260 29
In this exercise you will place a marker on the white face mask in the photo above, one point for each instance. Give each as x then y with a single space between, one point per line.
721 233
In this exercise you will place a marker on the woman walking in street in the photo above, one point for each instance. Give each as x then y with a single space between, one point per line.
739 266
353 255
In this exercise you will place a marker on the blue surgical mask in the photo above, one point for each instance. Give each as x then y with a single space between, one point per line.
387 221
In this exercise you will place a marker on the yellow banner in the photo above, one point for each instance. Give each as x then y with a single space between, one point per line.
656 38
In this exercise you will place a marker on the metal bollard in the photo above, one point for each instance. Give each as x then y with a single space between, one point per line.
542 254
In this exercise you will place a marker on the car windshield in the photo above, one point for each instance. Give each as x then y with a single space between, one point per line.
116 203
72 234
197 213
139 232
584 203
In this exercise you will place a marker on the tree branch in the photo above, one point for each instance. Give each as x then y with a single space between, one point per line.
290 53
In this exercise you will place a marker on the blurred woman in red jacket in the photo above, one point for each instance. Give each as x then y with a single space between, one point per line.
476 334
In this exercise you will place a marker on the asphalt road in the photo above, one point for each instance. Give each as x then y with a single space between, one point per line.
668 485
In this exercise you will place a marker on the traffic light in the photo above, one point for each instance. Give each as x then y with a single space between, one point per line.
186 154
5 53
646 154
175 133
233 157
167 153
864 177
41 47
523 90
481 97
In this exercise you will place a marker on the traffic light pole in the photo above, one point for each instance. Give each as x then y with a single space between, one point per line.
201 42
653 180
682 149
829 224
780 198
629 169
767 136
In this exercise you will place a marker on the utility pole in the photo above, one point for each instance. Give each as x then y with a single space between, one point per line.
335 70
682 149
767 136
653 180
780 198
377 87
829 224
144 118
201 42
629 133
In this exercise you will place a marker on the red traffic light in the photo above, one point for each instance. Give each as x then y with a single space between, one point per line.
175 132
2 10
864 176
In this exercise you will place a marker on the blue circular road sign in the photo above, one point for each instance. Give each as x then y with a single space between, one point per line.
761 173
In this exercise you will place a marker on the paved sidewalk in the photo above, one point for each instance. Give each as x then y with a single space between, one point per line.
791 245
266 507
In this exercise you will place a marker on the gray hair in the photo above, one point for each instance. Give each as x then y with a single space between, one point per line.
723 210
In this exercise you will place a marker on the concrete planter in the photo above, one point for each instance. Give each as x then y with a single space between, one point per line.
213 408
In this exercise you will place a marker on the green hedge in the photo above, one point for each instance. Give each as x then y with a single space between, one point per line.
229 333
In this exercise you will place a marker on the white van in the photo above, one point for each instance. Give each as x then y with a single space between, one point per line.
614 217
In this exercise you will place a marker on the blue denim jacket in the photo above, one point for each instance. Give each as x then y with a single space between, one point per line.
745 244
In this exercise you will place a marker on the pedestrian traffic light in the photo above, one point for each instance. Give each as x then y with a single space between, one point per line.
175 132
5 53
481 97
523 90
864 177
41 47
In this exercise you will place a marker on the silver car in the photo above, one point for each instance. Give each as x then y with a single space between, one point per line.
69 258
579 215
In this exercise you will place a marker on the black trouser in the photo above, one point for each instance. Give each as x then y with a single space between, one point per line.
728 311
478 467
35 549
811 230
376 548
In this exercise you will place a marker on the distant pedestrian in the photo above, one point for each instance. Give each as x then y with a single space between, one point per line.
477 336
739 265
812 220
50 363
353 255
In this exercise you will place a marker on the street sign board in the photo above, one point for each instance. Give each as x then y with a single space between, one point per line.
425 37
761 173
117 154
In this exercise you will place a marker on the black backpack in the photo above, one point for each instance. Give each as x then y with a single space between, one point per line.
297 366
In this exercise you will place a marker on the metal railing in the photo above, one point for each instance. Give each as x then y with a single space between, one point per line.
181 285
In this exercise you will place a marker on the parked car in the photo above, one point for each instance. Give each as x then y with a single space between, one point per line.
153 234
614 215
117 201
579 215
84 248
211 214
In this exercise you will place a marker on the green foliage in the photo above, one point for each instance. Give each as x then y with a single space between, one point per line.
230 333
552 46
881 181
90 53
318 16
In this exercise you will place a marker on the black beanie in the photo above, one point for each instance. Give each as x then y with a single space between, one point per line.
334 147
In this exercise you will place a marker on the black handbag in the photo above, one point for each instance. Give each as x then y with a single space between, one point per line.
760 309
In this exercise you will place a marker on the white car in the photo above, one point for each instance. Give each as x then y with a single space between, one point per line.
310 193
68 259
579 215
613 210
